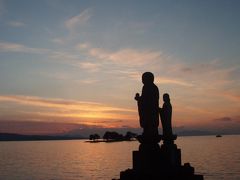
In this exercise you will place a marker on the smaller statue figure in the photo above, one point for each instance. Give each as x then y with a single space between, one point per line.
166 117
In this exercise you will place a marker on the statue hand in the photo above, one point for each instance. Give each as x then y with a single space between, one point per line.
137 96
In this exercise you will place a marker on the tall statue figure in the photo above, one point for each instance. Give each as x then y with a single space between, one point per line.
148 106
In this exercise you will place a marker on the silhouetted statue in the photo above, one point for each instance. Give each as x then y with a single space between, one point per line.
152 161
166 116
148 105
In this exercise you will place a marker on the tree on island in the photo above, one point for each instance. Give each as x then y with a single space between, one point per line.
94 137
130 135
112 135
115 136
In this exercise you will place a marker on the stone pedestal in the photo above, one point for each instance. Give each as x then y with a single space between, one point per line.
154 162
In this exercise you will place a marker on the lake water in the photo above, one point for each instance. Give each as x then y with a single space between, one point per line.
215 158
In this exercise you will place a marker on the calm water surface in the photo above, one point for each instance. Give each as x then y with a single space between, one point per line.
215 158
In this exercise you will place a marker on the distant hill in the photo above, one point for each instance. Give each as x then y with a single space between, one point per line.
84 134
21 137
186 132
195 133
203 133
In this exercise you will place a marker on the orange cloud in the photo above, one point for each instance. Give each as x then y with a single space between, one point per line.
163 80
57 109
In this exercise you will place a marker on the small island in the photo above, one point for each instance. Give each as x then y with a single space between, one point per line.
112 136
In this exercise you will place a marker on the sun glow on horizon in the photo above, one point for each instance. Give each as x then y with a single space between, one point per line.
61 110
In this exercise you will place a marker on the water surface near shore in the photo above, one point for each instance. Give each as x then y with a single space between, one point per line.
215 158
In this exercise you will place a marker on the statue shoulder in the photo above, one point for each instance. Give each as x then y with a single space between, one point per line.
156 91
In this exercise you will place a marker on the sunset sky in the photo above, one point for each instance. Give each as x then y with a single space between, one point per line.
77 64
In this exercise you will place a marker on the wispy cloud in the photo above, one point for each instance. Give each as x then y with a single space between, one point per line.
136 75
14 47
69 108
88 81
75 59
57 75
78 20
90 66
63 55
74 25
38 127
16 23
131 62
163 80
126 56
82 46
129 56
233 97
33 100
58 40
223 119
207 76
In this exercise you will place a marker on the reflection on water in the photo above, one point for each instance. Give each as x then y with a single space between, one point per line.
215 158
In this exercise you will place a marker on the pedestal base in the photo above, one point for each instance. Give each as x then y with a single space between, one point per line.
153 162
182 173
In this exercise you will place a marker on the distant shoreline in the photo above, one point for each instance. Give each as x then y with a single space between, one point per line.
20 137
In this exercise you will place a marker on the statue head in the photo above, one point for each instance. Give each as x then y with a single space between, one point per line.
147 78
166 97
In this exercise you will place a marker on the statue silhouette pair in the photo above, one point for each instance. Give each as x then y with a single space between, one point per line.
149 111
152 160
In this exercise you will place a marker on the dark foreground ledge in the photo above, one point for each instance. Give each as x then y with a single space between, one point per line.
185 172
